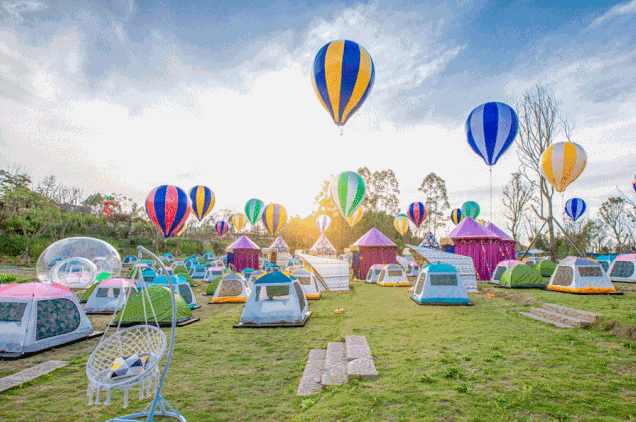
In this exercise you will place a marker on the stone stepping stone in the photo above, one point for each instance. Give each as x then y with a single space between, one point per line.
311 381
549 321
360 363
30 374
577 313
335 370
559 317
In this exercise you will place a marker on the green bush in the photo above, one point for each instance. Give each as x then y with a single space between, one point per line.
12 244
7 278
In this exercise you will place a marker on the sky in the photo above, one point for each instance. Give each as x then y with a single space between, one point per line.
122 96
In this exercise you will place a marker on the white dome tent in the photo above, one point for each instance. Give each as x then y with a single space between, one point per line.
392 275
307 281
580 275
623 268
110 295
440 284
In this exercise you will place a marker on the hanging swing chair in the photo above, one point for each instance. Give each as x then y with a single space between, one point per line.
130 358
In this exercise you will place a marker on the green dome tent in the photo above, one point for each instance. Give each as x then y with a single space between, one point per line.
545 268
521 276
161 303
88 293
213 285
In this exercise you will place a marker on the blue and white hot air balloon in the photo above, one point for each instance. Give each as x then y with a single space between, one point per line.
491 129
575 208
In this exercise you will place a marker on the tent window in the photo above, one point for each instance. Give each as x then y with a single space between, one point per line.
590 271
395 273
370 275
420 285
12 311
622 269
185 292
264 293
530 263
229 288
301 296
381 278
604 264
443 279
56 317
108 292
499 272
563 276
304 280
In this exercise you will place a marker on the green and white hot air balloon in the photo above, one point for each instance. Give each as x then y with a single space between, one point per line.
470 209
254 209
348 191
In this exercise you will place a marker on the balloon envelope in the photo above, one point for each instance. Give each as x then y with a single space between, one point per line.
355 217
254 209
168 207
562 163
470 209
348 190
401 224
456 216
221 227
239 221
274 218
634 182
202 199
343 75
417 213
323 222
575 208
491 129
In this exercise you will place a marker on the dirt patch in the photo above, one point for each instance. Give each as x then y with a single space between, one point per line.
507 294
614 327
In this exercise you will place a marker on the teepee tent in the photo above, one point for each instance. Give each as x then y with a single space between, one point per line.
373 273
232 288
521 276
181 286
623 268
38 316
501 268
243 253
134 312
475 241
323 247
276 300
392 275
110 295
580 275
279 245
440 284
374 248
430 242
307 281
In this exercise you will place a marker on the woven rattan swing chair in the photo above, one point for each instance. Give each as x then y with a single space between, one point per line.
139 339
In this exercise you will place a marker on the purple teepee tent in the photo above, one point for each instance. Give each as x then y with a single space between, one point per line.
507 245
375 248
473 240
244 254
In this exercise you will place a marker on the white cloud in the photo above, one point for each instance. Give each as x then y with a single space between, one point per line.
618 10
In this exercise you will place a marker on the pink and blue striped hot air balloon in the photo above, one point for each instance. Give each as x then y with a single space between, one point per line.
575 208
323 222
221 227
417 213
168 207
491 129
634 182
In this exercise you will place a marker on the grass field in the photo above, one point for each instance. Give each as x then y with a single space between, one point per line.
479 363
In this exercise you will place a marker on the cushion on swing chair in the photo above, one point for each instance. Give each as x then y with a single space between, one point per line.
129 366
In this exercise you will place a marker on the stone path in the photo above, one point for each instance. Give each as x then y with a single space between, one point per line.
336 365
561 316
30 374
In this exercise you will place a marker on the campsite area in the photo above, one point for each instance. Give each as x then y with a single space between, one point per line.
479 363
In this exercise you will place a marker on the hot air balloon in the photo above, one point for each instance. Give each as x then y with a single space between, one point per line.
562 163
323 222
202 201
575 208
274 218
456 216
347 191
634 182
491 129
239 221
470 209
182 229
221 227
343 75
417 213
355 216
401 224
253 210
168 207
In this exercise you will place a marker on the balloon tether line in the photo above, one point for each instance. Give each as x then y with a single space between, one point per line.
490 194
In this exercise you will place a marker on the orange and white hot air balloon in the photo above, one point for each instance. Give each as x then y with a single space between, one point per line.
562 163
401 224
355 217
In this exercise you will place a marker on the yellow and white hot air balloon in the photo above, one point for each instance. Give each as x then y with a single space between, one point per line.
562 163
355 217
239 221
401 224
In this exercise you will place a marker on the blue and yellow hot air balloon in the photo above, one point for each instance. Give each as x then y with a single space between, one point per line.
274 218
202 199
343 75
456 216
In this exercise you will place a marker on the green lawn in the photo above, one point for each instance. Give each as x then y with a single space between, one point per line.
480 363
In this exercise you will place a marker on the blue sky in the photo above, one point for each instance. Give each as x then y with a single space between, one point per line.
123 96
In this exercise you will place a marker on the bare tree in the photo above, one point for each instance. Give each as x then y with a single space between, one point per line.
616 219
516 196
539 124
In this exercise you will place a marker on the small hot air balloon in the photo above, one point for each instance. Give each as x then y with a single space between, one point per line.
401 224
417 213
343 75
202 201
634 182
575 208
562 163
274 218
470 209
347 191
168 207
253 210
491 129
221 227
182 229
456 216
239 221
355 216
323 222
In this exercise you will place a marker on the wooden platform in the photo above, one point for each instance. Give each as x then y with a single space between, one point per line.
273 325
